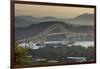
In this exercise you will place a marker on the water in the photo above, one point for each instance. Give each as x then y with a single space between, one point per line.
81 43
84 43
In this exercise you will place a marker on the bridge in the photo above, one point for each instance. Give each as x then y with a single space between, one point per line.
42 36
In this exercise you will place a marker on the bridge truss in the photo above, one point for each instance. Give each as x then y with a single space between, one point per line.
42 36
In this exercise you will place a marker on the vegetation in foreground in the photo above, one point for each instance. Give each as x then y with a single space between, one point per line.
52 53
21 56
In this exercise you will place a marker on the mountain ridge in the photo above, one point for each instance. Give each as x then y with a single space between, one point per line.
24 21
35 29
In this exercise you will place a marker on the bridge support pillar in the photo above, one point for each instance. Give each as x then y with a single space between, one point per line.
25 44
42 44
30 44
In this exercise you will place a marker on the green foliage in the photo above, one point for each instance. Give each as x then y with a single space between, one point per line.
49 52
21 56
52 53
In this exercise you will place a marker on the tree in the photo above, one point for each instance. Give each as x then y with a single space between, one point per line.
21 55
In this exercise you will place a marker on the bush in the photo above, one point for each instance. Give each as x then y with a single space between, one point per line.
21 56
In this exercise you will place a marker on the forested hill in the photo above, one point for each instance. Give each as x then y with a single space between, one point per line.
34 29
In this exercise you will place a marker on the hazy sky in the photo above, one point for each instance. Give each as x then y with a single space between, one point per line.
57 11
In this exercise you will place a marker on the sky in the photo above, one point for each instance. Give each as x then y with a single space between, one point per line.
56 11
